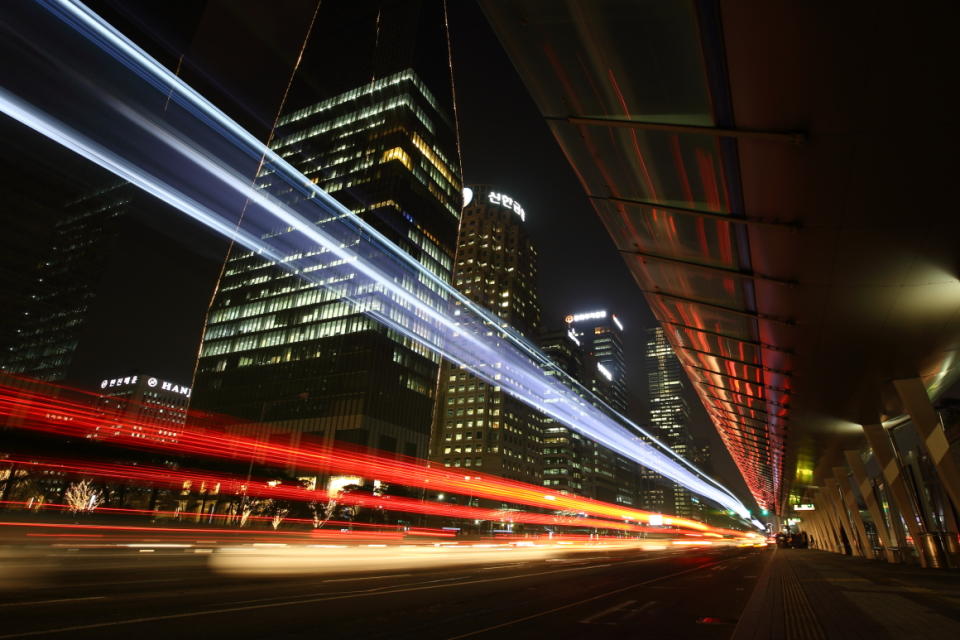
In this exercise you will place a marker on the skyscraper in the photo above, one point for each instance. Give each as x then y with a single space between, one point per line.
477 424
65 285
112 287
669 422
567 455
599 333
302 360
571 462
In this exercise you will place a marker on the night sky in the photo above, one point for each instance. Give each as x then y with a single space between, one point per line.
239 52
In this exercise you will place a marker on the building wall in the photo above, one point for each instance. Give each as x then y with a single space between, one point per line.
66 284
572 462
599 333
303 359
477 424
669 422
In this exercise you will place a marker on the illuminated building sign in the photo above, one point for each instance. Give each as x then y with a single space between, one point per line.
153 383
467 196
803 507
503 200
592 315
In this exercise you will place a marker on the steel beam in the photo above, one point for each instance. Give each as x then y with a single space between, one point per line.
733 273
753 315
790 137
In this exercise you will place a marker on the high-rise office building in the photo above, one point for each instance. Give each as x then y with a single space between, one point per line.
299 360
478 425
568 457
600 336
571 462
669 422
65 284
114 288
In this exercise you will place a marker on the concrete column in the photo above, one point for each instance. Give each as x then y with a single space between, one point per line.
849 501
830 523
879 441
840 512
870 500
822 538
917 403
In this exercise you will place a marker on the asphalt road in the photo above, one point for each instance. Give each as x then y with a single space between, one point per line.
171 593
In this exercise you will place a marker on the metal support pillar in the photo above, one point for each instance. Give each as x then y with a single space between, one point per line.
870 500
849 501
917 403
883 449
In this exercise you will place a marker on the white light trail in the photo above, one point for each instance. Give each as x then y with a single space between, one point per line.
103 101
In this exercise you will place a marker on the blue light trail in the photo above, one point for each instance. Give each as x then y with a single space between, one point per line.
73 78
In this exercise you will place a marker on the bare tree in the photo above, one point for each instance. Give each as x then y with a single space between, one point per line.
323 513
82 497
256 508
278 515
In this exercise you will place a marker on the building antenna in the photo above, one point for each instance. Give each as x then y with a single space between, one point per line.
246 202
453 88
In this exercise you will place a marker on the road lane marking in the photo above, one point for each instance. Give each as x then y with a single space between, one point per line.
579 602
57 600
443 580
641 608
612 609
272 605
395 575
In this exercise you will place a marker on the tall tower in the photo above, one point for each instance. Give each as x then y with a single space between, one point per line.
572 462
66 284
477 424
600 335
300 361
669 422
567 455
110 286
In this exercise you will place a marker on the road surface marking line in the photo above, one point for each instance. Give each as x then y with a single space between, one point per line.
612 609
443 580
579 602
273 605
396 575
34 602
640 609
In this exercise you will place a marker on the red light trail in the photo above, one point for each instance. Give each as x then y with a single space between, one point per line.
87 418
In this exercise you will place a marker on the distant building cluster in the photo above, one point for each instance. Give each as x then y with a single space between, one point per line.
293 362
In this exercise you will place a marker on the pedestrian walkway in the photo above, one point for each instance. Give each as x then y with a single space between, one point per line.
816 595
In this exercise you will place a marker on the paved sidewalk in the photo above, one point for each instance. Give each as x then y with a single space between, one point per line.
816 595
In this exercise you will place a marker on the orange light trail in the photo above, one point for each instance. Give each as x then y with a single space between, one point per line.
88 419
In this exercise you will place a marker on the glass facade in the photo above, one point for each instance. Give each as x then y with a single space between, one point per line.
669 423
599 333
305 359
573 463
66 284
